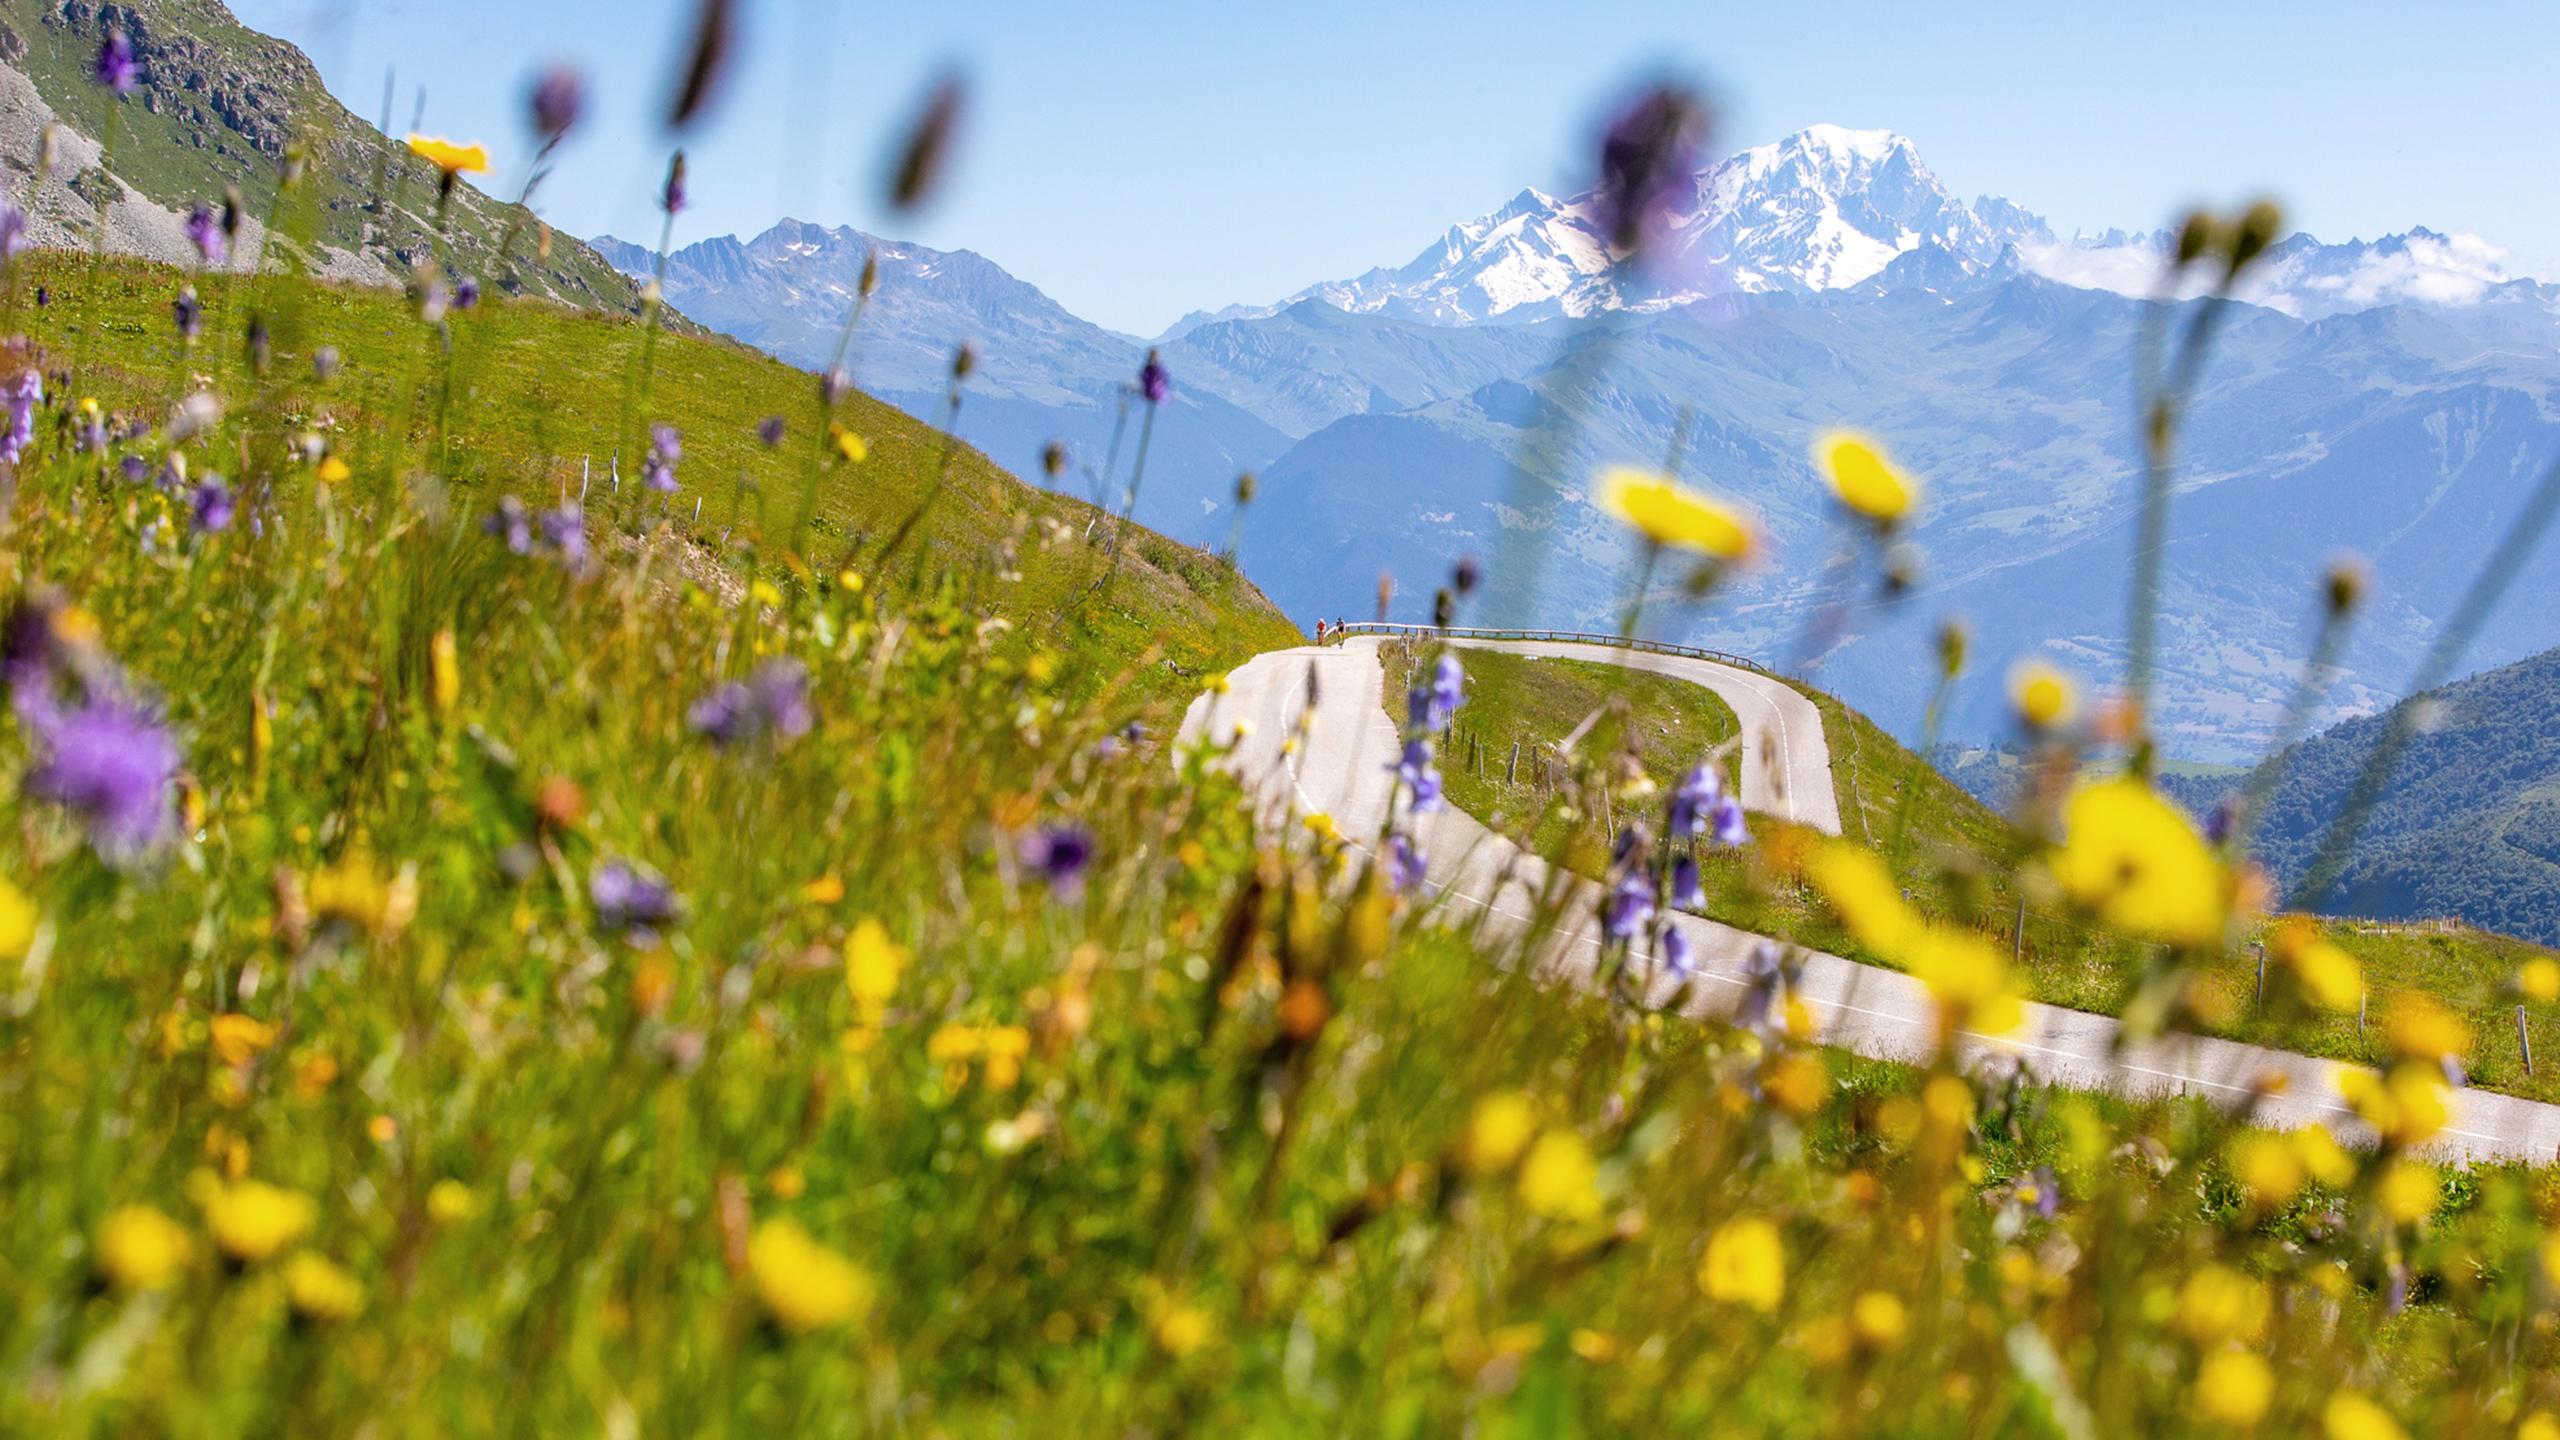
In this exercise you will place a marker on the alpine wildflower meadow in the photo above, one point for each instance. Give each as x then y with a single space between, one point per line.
565 878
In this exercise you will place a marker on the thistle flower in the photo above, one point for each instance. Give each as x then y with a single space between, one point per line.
116 67
1405 865
108 760
204 228
557 99
210 505
188 312
1153 383
1059 854
1647 155
658 471
638 905
1630 908
1414 770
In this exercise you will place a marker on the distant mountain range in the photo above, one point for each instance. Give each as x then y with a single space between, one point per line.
2392 397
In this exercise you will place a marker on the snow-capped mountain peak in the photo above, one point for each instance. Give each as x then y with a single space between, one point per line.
1822 209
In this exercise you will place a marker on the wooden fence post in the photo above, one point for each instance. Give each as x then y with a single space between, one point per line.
2260 1002
2018 934
1512 776
2524 1040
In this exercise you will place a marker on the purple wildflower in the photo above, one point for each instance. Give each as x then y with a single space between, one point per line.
1629 843
44 296
2037 1191
324 362
1153 382
189 313
13 234
1692 799
1763 975
1630 908
511 524
673 198
21 399
110 761
1448 688
1675 951
565 530
834 386
466 293
773 701
134 469
557 99
1405 865
1729 827
116 66
35 645
1059 854
1687 893
205 229
212 504
626 900
1414 769
658 472
769 431
1648 153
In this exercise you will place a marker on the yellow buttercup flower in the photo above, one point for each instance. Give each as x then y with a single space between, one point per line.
2233 1387
1746 1264
18 916
2406 1107
138 1248
253 1221
444 672
1668 513
852 447
2421 1028
1854 882
2540 1425
2539 979
1879 1320
1182 1328
321 1289
450 1202
1969 978
2045 697
449 156
2134 859
2326 972
1863 478
2267 1166
2410 1191
2323 1158
332 471
1559 1179
2217 1304
801 1283
239 1039
1500 1129
873 964
2351 1416
1798 1081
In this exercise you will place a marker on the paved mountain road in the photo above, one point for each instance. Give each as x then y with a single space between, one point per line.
1343 767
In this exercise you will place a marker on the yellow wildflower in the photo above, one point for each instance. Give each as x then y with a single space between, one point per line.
2409 1191
2327 973
1321 825
1182 1328
1666 512
18 917
2323 1158
1499 1130
2351 1416
2540 1425
2233 1387
1005 1046
1798 1081
852 447
332 471
239 1039
448 156
2267 1166
2405 1107
2134 859
253 1221
2539 979
873 964
444 672
1559 1179
2422 1028
1864 480
1854 882
1969 978
1879 1320
2218 1304
321 1289
2045 697
138 1248
1746 1264
449 1202
803 1284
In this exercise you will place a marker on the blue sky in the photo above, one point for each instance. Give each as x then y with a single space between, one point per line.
1139 159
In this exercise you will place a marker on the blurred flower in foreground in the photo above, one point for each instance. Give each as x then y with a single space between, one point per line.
1060 855
558 98
1746 1264
2327 973
116 68
2351 1416
138 1248
1864 480
2233 1388
21 399
204 230
1405 867
1153 383
1648 156
803 1284
210 505
1668 513
2044 695
631 902
253 1221
320 1289
451 157
928 145
109 760
774 701
2134 859
666 447
1559 1179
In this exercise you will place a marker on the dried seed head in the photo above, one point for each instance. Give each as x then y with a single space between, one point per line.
1053 459
1953 640
1467 576
2345 583
963 361
232 213
1386 594
1444 609
1246 484
713 30
870 273
2258 228
928 143
2197 234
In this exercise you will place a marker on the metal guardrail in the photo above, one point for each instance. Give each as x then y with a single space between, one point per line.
1573 637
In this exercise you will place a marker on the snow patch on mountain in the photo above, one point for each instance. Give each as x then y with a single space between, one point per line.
2300 276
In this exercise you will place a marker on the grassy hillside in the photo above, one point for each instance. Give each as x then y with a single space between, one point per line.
538 395
217 104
